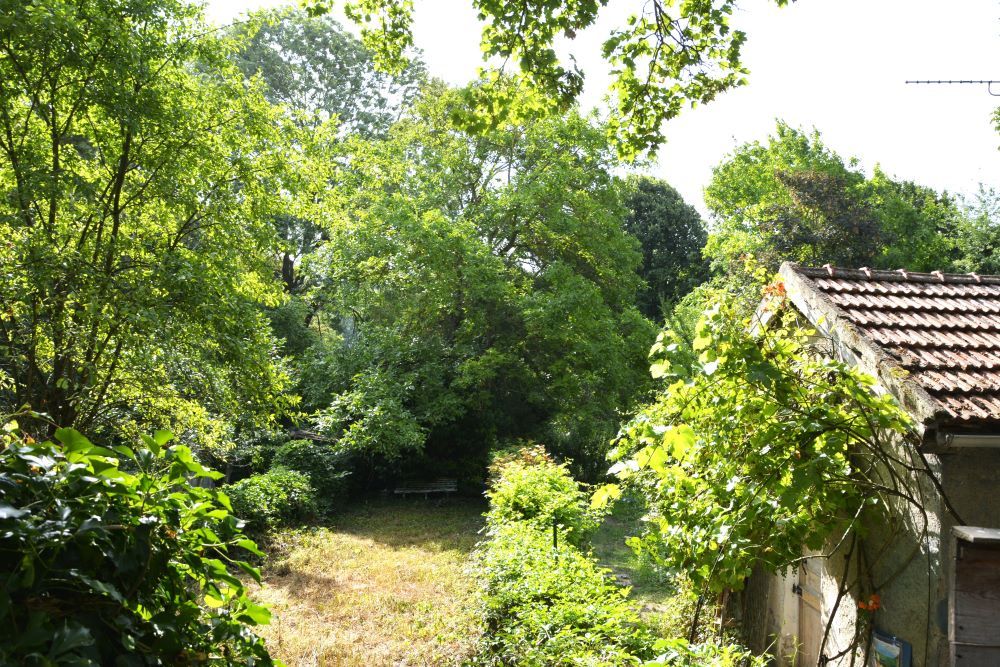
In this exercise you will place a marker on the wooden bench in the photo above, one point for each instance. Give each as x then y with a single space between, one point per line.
444 486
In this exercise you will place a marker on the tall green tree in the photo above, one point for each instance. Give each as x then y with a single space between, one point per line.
477 288
319 71
672 236
793 198
326 80
138 172
978 236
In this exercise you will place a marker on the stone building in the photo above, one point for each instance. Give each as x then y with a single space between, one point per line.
933 341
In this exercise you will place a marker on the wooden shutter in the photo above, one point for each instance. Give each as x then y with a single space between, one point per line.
974 598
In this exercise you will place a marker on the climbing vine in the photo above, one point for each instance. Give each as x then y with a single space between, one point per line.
765 446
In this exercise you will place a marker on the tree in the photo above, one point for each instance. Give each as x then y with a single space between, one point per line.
319 71
672 236
476 289
668 54
922 227
793 198
327 82
978 235
139 170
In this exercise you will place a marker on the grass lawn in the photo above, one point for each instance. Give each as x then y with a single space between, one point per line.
386 583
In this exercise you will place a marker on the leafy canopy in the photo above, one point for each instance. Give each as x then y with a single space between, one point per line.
672 236
139 171
319 71
475 287
793 198
979 233
666 55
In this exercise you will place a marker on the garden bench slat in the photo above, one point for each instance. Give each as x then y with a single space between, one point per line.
436 486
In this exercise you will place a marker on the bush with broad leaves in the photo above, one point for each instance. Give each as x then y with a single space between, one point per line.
111 556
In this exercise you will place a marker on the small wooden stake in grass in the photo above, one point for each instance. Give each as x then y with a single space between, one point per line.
555 537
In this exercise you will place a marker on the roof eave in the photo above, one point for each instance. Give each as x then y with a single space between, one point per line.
855 348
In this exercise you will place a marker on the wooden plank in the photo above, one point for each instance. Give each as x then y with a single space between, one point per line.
974 656
810 634
976 535
977 596
974 599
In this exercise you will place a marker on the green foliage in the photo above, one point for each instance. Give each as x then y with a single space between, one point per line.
665 56
314 67
978 235
672 236
279 497
325 466
794 199
104 559
752 453
552 604
528 486
546 606
140 171
922 227
474 289
680 653
386 29
790 199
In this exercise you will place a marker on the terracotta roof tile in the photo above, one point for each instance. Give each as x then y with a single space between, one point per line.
942 328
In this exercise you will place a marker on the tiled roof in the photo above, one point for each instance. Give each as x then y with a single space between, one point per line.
943 329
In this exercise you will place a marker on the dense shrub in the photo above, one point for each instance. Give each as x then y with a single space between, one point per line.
325 467
106 565
275 498
553 606
527 485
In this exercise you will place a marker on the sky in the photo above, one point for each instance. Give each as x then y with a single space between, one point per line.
838 66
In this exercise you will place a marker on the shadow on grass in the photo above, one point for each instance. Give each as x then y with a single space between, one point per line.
438 525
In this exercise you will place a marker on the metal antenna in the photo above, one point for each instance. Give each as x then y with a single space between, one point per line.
989 83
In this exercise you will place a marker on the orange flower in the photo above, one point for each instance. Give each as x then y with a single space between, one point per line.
776 289
873 603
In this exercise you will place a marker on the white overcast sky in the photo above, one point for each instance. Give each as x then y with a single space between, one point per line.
836 65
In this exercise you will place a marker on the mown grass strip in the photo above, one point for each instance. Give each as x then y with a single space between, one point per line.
385 584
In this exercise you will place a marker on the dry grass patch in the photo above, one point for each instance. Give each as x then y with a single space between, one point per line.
385 584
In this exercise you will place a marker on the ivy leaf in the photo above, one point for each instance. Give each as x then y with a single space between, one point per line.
654 457
68 638
214 602
678 440
250 546
604 495
256 614
162 437
659 369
